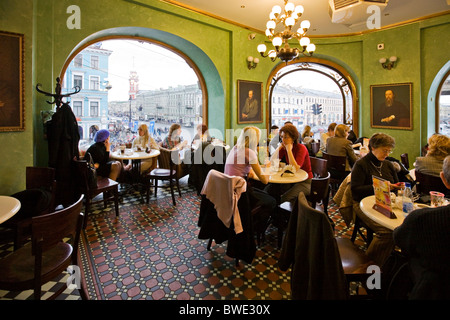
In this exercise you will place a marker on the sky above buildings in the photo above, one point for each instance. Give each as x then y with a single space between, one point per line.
157 67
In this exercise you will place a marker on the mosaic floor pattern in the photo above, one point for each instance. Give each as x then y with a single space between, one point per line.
151 252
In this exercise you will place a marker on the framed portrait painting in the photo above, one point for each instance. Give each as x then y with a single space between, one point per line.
391 106
11 82
250 95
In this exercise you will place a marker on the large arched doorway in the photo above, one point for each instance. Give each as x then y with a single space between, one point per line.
312 92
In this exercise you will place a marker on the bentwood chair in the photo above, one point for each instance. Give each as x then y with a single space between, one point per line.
48 255
336 167
38 199
167 171
108 187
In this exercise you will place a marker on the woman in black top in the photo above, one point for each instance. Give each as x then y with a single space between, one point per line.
99 152
374 164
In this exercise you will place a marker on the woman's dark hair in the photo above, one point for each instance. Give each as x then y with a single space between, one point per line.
291 130
378 140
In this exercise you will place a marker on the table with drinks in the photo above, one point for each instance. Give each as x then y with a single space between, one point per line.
135 155
399 208
279 172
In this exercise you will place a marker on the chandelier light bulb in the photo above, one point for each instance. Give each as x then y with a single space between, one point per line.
289 7
256 60
382 60
304 41
299 10
249 58
271 24
261 48
277 41
272 16
311 48
272 54
393 59
289 22
276 10
305 25
269 33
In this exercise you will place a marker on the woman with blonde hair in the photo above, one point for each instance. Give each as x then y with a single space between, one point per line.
242 161
307 135
144 141
339 145
438 149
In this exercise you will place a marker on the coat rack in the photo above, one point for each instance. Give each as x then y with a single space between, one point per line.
57 96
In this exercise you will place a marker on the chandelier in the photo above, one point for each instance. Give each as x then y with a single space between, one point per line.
280 39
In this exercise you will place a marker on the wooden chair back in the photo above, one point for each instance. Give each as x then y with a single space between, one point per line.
404 159
54 246
426 183
315 147
335 163
42 177
319 167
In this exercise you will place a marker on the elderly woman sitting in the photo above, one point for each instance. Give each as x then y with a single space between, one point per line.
375 164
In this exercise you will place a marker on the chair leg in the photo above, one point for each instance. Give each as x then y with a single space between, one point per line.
116 200
178 186
87 207
171 191
209 244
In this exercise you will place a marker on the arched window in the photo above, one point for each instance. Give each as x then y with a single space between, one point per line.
320 94
443 104
138 81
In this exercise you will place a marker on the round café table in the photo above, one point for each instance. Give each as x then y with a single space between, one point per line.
135 157
276 176
9 206
366 206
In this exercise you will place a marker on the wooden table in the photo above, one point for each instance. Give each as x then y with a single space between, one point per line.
366 206
9 206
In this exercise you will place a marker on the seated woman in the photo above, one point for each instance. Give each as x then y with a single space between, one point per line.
202 133
291 152
375 164
324 137
242 161
307 135
144 141
99 152
438 149
174 140
339 145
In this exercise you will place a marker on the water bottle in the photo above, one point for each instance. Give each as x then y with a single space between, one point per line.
408 204
399 198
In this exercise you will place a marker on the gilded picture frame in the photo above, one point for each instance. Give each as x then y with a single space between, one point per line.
12 113
249 104
391 106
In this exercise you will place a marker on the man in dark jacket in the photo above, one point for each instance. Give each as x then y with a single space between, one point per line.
424 238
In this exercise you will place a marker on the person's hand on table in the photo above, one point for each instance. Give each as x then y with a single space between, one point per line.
397 186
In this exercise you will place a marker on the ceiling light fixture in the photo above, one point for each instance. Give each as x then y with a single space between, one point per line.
280 39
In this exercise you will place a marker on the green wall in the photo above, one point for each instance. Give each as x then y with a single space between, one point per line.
219 50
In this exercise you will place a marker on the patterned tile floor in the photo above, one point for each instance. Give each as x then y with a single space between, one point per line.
152 253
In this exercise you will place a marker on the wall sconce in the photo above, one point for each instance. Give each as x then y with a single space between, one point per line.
252 62
388 63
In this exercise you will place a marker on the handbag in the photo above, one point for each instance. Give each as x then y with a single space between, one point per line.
92 172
